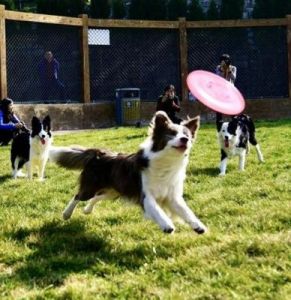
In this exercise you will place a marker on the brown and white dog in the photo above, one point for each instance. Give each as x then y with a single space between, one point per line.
153 176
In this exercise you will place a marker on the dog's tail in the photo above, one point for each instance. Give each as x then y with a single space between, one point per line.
70 157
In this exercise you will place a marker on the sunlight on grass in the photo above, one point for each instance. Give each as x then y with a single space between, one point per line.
116 254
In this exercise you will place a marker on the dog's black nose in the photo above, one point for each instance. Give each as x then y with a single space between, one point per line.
184 140
43 136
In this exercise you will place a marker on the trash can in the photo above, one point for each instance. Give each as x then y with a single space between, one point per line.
127 106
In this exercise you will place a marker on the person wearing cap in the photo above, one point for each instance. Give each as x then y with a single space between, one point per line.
9 122
169 103
225 69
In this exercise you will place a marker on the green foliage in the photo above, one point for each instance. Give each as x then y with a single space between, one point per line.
148 10
177 9
156 10
61 7
271 8
118 9
195 11
231 9
136 9
213 12
9 4
100 9
115 253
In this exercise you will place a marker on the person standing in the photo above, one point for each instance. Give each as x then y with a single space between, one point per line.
9 122
225 69
169 103
49 75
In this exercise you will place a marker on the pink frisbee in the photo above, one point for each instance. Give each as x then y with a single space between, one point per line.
215 92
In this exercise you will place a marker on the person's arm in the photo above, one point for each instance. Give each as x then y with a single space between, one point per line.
232 73
6 126
176 104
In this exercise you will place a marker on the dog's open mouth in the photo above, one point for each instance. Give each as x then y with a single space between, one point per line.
42 140
181 148
226 143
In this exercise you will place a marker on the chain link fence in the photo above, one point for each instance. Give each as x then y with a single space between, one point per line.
148 59
259 53
140 58
29 80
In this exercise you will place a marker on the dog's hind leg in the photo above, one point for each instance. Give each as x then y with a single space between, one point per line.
180 208
259 153
70 207
90 206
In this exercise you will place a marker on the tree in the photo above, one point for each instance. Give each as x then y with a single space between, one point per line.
136 11
212 12
272 8
99 9
156 9
118 9
9 4
231 9
62 8
177 9
195 11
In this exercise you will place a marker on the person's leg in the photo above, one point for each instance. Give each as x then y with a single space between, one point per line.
60 87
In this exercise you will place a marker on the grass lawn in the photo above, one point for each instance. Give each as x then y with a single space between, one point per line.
116 254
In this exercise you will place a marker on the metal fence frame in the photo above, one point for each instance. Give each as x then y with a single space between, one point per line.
84 23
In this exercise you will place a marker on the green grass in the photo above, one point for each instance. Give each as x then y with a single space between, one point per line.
116 254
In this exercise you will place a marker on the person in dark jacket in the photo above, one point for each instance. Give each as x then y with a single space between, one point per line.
49 75
169 103
9 122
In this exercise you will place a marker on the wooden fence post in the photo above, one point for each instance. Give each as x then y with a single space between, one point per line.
85 59
3 69
289 51
183 57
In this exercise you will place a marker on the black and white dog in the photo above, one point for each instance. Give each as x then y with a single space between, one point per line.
152 177
32 148
234 138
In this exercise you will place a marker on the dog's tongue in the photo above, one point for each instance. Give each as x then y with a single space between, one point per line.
226 143
42 141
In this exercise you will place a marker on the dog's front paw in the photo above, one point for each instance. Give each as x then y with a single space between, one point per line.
169 230
221 174
200 228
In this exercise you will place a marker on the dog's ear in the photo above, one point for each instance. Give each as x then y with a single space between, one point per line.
161 119
47 123
35 125
158 122
219 121
232 126
192 125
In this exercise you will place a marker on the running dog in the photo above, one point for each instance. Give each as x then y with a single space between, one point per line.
152 177
32 148
234 138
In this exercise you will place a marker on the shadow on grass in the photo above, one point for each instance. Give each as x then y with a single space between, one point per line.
59 249
4 178
212 172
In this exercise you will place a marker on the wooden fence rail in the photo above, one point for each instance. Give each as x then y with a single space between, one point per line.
84 23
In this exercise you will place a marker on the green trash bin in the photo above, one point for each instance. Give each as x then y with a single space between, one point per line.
127 106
